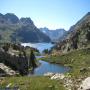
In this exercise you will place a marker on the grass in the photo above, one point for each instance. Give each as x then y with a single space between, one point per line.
78 60
32 83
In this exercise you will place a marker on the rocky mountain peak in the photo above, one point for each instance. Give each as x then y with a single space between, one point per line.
11 18
26 20
53 34
88 13
1 15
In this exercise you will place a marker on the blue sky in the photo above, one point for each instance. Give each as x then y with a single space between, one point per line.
48 13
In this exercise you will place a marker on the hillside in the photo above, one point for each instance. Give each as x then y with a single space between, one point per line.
79 63
78 36
74 52
13 29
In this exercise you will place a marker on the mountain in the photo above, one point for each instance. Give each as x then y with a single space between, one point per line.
53 34
13 29
77 37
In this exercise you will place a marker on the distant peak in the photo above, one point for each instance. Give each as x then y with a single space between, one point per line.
88 13
1 14
45 28
11 17
26 20
9 14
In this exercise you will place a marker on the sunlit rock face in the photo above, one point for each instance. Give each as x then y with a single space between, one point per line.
77 37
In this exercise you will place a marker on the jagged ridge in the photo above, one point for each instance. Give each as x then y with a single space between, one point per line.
13 29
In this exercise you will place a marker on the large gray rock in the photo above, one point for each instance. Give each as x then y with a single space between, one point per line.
85 84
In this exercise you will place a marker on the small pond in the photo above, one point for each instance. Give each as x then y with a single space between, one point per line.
45 66
48 67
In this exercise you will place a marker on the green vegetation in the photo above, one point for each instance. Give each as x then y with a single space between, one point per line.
32 83
76 55
32 60
77 60
46 51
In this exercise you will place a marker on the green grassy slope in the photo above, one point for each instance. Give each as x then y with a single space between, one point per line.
32 83
78 60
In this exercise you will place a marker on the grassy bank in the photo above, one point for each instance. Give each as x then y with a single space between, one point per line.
32 83
78 60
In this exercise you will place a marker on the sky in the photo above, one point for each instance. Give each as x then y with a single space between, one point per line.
52 14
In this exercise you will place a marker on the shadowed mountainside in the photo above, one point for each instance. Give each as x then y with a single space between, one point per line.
13 29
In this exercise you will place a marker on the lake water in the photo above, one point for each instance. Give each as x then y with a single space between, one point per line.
45 66
39 46
48 67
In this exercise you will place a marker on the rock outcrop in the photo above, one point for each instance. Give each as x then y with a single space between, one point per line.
16 61
85 84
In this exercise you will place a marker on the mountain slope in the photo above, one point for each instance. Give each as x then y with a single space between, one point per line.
53 34
77 37
13 29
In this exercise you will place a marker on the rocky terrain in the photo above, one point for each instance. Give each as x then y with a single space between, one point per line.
72 52
78 36
14 57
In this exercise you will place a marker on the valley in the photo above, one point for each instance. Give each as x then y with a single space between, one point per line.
24 42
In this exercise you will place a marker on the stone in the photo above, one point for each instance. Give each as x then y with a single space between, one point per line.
48 74
85 84
58 76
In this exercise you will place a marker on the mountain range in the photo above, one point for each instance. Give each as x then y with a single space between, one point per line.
54 35
13 29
